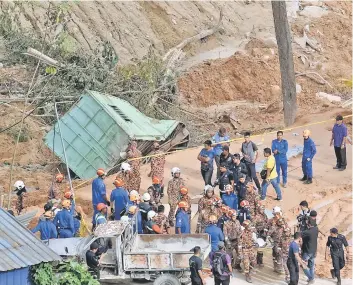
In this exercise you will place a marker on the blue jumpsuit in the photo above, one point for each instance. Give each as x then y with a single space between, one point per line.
182 221
77 223
98 194
281 158
308 152
120 199
46 228
230 200
64 221
139 222
216 235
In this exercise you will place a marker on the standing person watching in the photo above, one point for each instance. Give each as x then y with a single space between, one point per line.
294 259
335 243
309 249
206 157
309 152
250 153
221 265
339 136
195 264
280 149
220 136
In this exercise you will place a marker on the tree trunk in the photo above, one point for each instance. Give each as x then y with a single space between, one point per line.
284 42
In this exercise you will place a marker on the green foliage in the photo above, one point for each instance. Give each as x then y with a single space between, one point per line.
43 274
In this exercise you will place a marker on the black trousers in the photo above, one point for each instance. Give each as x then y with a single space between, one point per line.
293 269
223 282
338 262
207 176
341 157
252 174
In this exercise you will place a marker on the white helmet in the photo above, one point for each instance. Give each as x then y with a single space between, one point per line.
207 187
276 209
151 214
19 185
125 166
124 219
133 192
175 170
146 197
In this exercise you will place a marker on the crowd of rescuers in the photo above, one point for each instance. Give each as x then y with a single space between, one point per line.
234 220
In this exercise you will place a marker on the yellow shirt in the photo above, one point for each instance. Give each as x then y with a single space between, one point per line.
271 163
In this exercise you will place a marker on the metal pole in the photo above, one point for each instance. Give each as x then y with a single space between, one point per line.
62 143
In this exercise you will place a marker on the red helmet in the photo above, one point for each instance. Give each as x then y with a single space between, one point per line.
155 180
68 195
101 206
59 178
244 203
101 172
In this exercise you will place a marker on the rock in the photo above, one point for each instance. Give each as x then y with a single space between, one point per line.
270 42
298 89
313 12
276 91
329 97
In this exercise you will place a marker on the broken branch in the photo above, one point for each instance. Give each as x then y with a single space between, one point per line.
307 74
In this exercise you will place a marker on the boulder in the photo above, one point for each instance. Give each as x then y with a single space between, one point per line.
329 97
313 12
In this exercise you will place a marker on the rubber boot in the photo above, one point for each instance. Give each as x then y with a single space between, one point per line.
333 273
259 259
238 267
305 177
338 280
309 181
248 278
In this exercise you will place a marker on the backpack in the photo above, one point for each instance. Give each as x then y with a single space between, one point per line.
218 267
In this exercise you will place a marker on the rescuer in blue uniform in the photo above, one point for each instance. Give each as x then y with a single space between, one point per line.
64 221
215 233
229 198
182 224
119 198
132 211
307 160
280 149
99 192
46 227
77 216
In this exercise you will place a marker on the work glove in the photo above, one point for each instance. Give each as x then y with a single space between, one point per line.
78 216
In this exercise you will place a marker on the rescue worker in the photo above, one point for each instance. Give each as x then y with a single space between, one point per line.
132 211
54 190
208 196
276 232
238 168
241 188
101 217
76 215
246 249
174 186
56 206
182 225
46 227
284 247
225 178
157 164
145 207
224 217
134 200
260 222
215 232
99 192
156 192
119 199
206 157
232 231
229 198
335 243
21 192
244 211
124 175
217 139
252 197
64 221
211 209
307 160
133 154
162 220
151 226
186 198
280 149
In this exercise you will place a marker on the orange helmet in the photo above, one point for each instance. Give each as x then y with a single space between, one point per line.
59 178
66 203
246 223
232 212
212 219
244 203
101 206
101 172
132 209
68 195
118 182
183 190
155 180
134 197
225 209
183 204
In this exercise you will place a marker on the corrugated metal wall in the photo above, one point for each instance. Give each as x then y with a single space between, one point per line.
15 277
